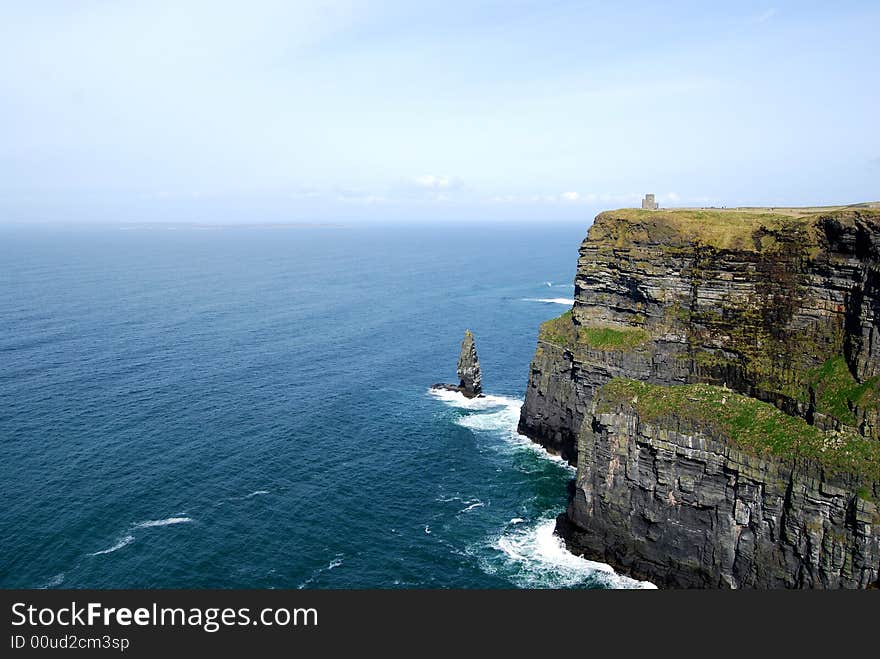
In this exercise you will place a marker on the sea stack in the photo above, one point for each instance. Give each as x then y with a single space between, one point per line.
470 381
469 376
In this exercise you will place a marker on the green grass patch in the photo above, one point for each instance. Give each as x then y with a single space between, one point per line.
837 391
718 228
559 330
754 426
607 338
563 332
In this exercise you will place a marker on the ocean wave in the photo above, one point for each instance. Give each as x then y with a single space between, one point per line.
551 300
54 582
332 565
223 502
535 557
459 400
448 499
504 420
525 442
476 504
128 538
499 414
168 521
529 554
122 542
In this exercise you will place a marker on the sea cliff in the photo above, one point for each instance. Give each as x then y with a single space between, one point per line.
717 385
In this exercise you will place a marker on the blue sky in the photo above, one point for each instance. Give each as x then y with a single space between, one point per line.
431 111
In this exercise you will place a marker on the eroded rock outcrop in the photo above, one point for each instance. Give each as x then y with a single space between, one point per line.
470 378
775 308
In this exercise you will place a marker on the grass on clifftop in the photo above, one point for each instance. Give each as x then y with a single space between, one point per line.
750 229
606 338
837 391
752 425
562 331
559 331
722 229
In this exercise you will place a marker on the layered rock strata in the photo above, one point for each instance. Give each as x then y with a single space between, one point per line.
776 308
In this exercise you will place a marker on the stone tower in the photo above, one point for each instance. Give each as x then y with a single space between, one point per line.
649 204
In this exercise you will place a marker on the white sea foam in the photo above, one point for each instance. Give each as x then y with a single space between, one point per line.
168 521
502 420
533 556
551 300
122 542
496 413
257 493
458 399
150 523
335 563
55 581
526 443
476 504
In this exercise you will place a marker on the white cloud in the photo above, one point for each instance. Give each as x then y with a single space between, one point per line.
367 200
433 182
766 15
572 197
359 196
305 192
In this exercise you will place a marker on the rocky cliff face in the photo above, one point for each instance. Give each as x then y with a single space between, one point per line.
776 309
685 502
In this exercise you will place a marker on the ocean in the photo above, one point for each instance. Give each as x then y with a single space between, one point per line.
187 407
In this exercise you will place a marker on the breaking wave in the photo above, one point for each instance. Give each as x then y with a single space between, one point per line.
528 553
551 300
535 557
459 400
335 563
128 538
122 542
54 582
168 521
499 414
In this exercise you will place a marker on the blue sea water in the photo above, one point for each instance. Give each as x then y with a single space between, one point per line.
250 408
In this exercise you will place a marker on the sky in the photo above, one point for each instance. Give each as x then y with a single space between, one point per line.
344 111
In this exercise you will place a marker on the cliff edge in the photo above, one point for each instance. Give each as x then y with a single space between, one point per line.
717 385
